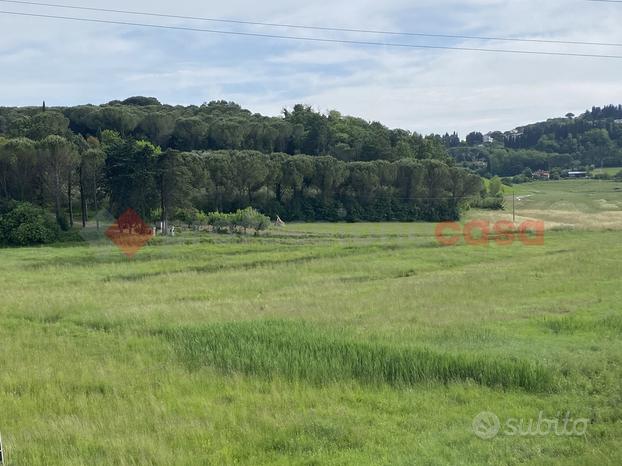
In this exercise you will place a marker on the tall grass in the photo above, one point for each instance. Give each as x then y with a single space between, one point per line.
569 325
300 351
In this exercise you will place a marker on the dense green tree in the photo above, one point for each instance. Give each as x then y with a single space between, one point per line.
131 168
23 224
189 134
598 146
474 138
174 183
495 188
24 170
157 127
48 123
120 119
59 158
232 159
8 160
91 179
141 101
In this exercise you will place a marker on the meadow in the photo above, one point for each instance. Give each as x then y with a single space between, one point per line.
611 171
320 343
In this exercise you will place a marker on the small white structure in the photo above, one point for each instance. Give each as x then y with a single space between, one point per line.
488 139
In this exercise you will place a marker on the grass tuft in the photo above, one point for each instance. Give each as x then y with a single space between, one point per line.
571 324
299 351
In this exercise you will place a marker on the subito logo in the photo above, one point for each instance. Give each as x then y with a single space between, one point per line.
481 232
486 425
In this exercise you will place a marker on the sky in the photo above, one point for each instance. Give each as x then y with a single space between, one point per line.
422 90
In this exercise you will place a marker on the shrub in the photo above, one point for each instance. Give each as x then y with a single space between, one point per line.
250 218
241 219
63 223
490 203
220 222
192 217
519 179
556 174
495 187
24 224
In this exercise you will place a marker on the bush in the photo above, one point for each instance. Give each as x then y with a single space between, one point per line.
220 222
556 174
495 187
63 223
24 224
250 218
519 179
241 219
192 217
490 203
618 176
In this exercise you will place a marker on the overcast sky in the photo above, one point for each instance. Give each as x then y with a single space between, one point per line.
68 63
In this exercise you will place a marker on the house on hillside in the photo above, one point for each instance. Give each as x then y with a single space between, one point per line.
542 175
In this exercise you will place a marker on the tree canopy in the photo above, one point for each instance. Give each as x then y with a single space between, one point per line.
161 160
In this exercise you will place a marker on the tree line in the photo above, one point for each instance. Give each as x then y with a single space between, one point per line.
74 175
225 125
571 142
174 184
593 139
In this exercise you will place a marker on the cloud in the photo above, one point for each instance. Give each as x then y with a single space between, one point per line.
68 63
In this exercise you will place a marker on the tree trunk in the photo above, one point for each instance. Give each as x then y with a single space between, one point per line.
82 199
69 198
279 192
21 188
95 203
57 194
163 219
5 186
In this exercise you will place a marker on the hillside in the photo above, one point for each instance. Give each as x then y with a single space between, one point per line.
592 139
224 125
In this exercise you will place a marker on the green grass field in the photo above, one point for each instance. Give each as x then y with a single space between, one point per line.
319 344
566 204
612 171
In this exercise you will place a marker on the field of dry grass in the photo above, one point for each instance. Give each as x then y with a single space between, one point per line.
571 204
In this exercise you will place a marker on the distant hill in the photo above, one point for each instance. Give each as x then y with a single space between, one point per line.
593 138
225 125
